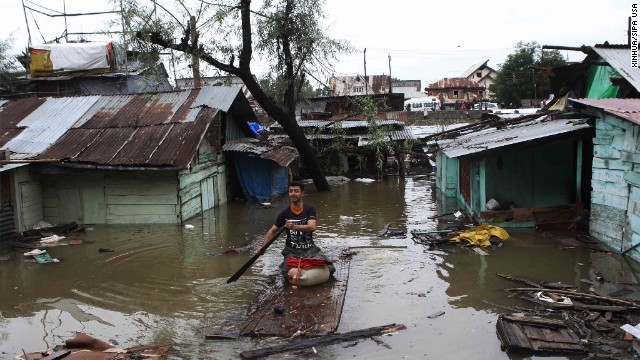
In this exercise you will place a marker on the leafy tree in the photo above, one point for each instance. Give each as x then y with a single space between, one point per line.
523 73
286 33
275 87
8 67
378 141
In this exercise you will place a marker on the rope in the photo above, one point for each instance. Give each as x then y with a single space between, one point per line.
304 263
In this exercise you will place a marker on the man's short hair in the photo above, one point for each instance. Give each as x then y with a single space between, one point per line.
298 184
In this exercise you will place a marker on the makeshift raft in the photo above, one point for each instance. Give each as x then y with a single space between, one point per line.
536 334
309 311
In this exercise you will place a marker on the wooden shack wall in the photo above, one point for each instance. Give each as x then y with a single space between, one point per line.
615 196
447 175
203 185
536 177
28 198
111 197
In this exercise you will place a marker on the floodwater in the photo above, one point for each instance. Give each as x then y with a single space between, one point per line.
167 284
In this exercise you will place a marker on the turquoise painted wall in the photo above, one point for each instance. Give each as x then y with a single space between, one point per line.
447 175
615 183
111 197
541 176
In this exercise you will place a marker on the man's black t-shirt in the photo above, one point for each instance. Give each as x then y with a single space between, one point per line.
298 241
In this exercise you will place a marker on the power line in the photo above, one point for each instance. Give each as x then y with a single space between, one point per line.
46 8
37 26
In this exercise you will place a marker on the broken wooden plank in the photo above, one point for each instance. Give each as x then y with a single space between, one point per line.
579 295
514 335
517 279
535 320
312 311
325 340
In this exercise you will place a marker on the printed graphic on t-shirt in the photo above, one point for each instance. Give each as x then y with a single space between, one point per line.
299 239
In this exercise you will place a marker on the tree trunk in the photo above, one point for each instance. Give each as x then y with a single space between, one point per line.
243 71
289 124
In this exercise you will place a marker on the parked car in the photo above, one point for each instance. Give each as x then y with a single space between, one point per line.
488 106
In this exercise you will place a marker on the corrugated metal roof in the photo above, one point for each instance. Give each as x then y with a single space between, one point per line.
473 68
283 155
167 144
346 124
620 59
625 108
162 129
219 97
47 123
494 138
14 111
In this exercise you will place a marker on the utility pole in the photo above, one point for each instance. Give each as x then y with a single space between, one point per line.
365 72
390 77
533 76
66 30
195 59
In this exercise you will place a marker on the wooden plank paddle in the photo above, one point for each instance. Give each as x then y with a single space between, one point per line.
255 257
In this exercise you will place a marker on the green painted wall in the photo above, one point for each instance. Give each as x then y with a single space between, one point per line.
615 184
447 175
29 198
541 176
203 185
111 197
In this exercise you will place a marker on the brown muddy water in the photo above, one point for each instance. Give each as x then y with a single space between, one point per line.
167 284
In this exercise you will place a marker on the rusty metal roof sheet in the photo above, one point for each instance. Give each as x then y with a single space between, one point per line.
628 109
12 112
168 144
493 138
46 124
163 129
620 59
283 155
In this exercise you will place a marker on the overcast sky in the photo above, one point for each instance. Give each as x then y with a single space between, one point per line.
426 39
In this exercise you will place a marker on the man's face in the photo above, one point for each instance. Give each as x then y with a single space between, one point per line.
295 194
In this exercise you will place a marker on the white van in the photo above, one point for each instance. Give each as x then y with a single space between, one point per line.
422 104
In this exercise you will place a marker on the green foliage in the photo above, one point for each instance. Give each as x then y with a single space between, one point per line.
521 73
378 142
275 87
8 68
287 35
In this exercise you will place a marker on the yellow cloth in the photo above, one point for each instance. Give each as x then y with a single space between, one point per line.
480 235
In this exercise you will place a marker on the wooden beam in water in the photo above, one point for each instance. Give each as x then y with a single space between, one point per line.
325 340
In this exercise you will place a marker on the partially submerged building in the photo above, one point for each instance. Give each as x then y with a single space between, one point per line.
345 143
148 158
588 160
615 196
261 166
517 166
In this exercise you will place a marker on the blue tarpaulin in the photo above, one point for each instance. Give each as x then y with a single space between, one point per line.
261 179
255 128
